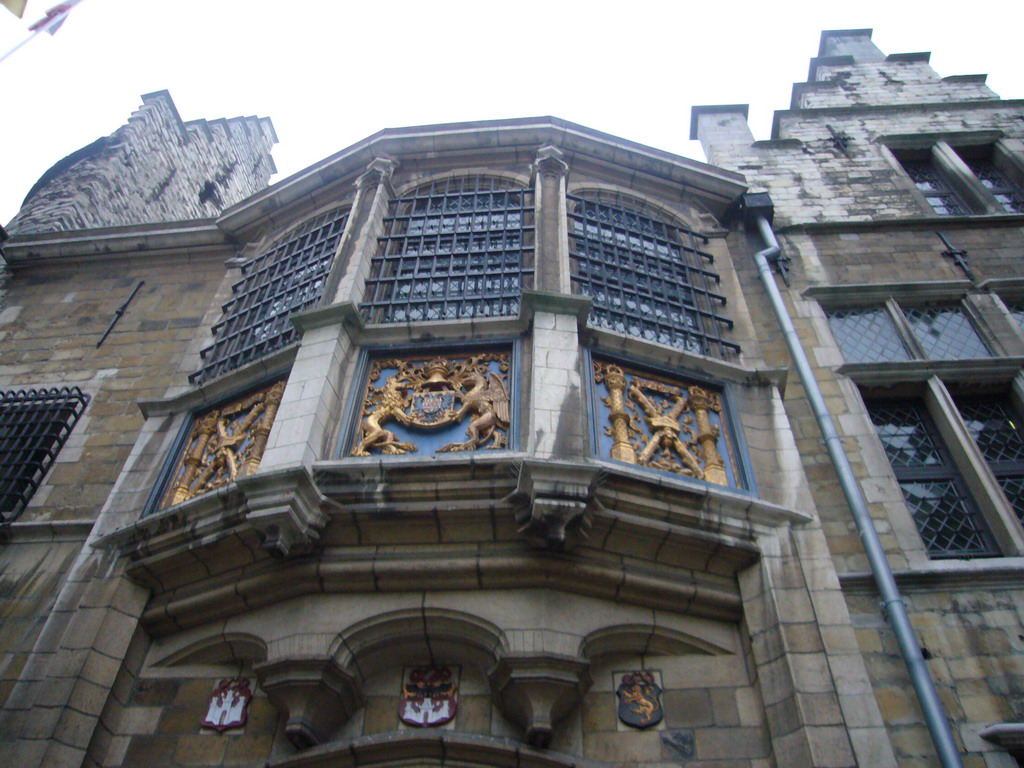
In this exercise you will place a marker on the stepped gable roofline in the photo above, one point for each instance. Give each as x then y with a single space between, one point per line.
714 109
713 185
148 99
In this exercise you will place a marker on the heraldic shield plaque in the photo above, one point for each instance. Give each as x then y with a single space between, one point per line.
429 696
435 405
639 699
229 704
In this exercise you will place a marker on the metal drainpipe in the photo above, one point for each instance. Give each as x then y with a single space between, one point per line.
893 605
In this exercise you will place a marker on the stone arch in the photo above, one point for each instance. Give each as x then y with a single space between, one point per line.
217 649
644 204
645 640
369 646
518 180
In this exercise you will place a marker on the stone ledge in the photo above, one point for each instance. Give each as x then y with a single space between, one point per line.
430 748
985 573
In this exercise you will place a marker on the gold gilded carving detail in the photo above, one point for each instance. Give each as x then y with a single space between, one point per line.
225 444
662 425
430 395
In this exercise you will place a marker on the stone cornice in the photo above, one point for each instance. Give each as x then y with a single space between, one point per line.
907 223
139 241
660 542
988 573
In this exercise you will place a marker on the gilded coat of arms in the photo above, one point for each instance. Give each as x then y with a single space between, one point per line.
408 402
225 444
664 425
229 704
639 700
428 697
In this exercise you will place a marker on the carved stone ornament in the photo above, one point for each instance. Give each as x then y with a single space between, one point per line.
429 697
225 444
229 705
409 403
639 700
664 425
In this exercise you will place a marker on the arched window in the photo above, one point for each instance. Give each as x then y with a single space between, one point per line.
287 278
454 248
647 276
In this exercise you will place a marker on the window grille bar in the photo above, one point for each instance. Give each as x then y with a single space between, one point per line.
287 278
646 276
452 249
34 425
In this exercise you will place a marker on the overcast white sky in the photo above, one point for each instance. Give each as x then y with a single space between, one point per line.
329 73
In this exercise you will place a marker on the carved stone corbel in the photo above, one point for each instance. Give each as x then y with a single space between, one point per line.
284 509
537 691
549 161
379 169
553 503
315 693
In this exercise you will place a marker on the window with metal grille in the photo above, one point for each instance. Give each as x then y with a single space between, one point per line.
997 428
287 278
34 424
933 185
647 276
453 249
867 335
945 333
946 516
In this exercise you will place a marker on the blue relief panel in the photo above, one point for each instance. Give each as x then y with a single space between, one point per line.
664 423
439 404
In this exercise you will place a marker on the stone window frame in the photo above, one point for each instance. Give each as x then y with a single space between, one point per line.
946 152
937 383
894 299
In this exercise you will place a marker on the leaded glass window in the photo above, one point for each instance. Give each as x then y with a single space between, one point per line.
287 278
647 276
936 190
34 424
867 335
453 249
945 333
1009 195
997 428
947 519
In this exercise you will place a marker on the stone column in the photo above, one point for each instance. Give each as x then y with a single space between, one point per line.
365 225
556 416
551 251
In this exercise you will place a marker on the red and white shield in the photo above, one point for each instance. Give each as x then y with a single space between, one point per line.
229 704
428 697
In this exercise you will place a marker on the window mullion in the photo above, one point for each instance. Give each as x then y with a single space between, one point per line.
975 470
904 331
963 180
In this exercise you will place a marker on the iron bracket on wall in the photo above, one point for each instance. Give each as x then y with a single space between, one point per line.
958 255
119 312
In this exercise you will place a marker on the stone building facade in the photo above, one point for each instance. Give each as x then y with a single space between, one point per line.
477 444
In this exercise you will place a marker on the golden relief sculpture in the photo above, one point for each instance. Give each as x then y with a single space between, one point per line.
662 425
225 444
423 396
